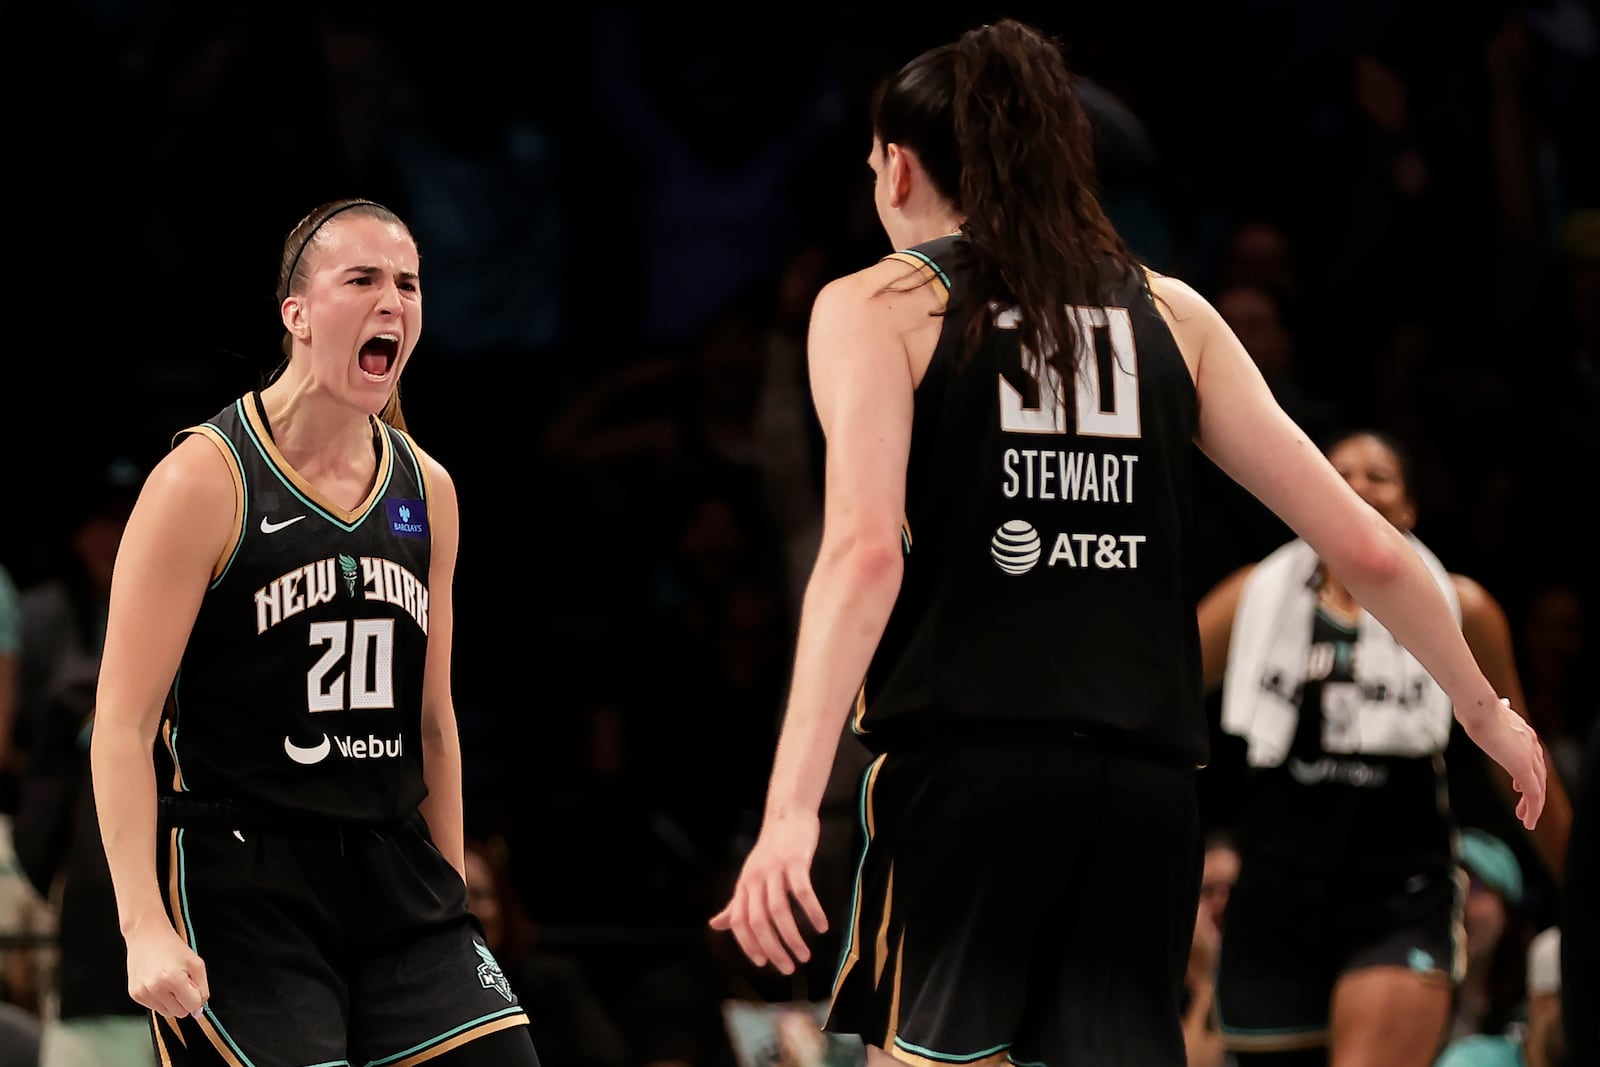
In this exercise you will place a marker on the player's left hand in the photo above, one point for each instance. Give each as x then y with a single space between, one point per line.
776 874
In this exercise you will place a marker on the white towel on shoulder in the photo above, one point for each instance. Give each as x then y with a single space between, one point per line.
1394 708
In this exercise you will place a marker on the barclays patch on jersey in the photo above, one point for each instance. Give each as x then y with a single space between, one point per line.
407 518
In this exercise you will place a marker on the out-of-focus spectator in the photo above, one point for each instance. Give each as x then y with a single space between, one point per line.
1203 1040
1580 919
1536 1041
64 615
89 1016
1490 996
10 682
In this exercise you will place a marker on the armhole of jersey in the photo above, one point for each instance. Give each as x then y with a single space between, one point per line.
231 458
417 465
926 267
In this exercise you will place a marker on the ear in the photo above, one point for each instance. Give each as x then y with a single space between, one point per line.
900 162
294 317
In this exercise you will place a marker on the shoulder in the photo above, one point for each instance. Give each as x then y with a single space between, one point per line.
1178 296
1237 579
440 486
1191 318
197 472
888 289
1227 593
1475 600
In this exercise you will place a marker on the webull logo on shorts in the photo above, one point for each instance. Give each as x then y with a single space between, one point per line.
348 746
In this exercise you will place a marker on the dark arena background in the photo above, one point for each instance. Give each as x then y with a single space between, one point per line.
623 216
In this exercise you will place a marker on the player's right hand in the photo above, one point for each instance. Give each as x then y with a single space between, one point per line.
1506 738
164 974
776 876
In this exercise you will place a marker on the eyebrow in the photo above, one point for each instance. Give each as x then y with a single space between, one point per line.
405 275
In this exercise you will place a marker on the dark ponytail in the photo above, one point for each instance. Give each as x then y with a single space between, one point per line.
996 123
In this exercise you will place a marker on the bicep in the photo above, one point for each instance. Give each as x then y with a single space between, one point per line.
184 516
864 395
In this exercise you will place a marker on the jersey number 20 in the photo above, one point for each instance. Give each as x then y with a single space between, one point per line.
365 679
1101 411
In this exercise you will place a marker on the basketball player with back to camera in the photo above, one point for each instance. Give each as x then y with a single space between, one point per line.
1004 599
275 756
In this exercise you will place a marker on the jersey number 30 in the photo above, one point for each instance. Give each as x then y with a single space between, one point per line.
363 680
1101 411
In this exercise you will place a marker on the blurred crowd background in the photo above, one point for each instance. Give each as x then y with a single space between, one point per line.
623 215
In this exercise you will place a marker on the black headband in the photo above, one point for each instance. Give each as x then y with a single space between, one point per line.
294 265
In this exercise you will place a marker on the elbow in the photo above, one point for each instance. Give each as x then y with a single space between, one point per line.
866 559
880 565
1377 558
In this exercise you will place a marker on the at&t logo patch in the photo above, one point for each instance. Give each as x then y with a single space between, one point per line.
1016 547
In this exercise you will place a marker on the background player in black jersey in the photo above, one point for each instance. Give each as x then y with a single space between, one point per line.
1344 930
281 615
1004 592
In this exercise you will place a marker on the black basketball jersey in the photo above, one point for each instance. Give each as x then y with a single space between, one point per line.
1326 806
300 690
1050 583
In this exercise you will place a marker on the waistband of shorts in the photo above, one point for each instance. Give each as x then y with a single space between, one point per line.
186 811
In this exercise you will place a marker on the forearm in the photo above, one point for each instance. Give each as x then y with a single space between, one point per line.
441 771
1402 593
1202 1044
848 601
125 800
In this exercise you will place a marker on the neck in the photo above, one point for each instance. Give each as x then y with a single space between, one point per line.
305 420
929 227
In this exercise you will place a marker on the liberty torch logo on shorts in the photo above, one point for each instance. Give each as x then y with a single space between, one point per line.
490 974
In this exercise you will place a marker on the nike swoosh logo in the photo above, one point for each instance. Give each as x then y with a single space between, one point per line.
274 527
307 756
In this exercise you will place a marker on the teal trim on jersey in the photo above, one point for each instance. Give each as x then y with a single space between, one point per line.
943 277
331 1063
416 464
1269 1031
447 1035
1024 1063
244 492
347 527
188 925
183 889
855 894
946 1057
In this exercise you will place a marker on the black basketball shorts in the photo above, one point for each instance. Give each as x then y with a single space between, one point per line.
1290 934
1030 904
342 947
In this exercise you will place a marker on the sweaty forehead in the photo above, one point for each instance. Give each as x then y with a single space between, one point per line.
363 241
